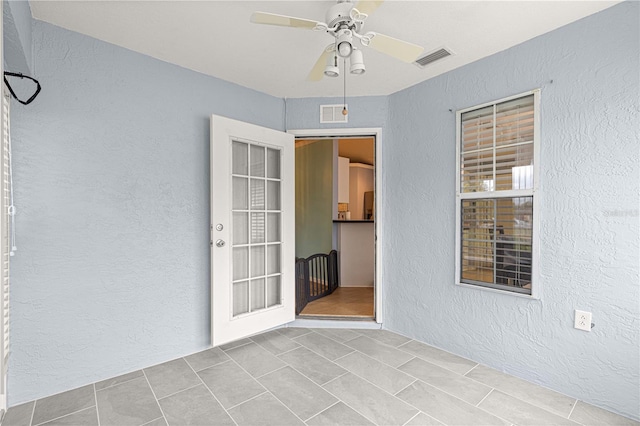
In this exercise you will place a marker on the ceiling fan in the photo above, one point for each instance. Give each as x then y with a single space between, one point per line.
344 22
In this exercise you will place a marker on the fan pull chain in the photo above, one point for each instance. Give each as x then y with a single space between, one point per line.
344 99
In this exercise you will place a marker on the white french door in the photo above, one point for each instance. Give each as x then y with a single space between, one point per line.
252 229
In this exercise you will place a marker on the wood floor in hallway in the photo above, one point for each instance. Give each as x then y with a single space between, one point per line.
345 301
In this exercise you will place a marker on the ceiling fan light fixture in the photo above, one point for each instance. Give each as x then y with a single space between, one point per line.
344 49
357 62
332 69
344 46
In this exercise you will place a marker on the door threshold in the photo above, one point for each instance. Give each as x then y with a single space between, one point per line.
340 322
336 317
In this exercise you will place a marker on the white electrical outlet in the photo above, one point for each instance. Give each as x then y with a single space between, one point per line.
583 320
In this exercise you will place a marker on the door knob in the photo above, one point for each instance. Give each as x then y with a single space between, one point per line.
220 243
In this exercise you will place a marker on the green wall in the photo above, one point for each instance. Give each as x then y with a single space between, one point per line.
314 198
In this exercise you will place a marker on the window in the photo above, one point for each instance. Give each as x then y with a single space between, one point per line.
497 178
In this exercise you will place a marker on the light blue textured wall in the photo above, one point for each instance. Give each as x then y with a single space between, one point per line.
111 168
589 213
17 36
111 171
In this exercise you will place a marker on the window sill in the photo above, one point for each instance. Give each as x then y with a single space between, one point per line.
531 296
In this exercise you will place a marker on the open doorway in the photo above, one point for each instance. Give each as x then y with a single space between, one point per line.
336 227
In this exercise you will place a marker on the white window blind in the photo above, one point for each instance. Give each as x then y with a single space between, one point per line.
5 248
497 161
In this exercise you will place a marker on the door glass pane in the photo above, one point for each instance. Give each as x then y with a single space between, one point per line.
273 163
257 261
240 158
252 195
240 263
257 194
273 202
240 298
257 161
240 228
273 259
273 291
257 228
273 227
257 294
240 194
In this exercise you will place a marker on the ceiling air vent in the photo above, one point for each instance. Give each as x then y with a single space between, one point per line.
432 57
333 114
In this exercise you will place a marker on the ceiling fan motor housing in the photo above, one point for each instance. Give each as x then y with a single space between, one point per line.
341 13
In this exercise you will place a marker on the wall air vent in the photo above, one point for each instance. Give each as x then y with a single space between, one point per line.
431 57
333 114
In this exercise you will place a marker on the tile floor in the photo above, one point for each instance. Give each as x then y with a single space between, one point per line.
313 377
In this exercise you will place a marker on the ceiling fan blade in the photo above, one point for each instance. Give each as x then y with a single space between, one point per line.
368 6
317 72
282 20
403 50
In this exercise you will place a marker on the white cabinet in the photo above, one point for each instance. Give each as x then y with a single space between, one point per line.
343 180
356 248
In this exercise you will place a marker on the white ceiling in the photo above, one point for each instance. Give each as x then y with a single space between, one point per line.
216 37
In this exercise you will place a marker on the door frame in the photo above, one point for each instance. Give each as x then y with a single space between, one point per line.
376 132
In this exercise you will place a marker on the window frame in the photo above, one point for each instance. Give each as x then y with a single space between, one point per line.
536 285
